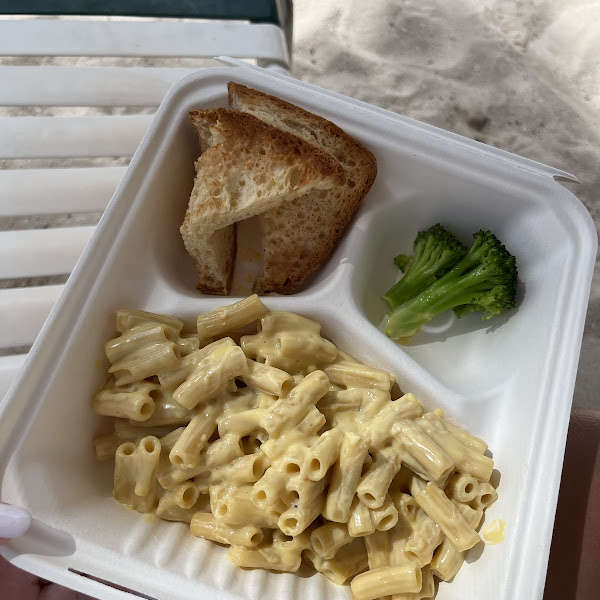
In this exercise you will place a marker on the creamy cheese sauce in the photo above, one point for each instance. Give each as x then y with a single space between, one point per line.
247 461
494 532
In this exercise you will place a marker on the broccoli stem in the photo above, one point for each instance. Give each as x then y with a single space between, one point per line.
436 250
456 288
405 289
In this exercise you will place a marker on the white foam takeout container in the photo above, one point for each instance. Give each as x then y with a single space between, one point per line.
509 381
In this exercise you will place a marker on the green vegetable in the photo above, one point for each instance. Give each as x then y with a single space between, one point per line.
436 251
485 280
403 260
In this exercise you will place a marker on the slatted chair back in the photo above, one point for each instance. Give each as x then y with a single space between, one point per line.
68 129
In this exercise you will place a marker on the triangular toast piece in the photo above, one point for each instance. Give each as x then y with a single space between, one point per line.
300 235
247 167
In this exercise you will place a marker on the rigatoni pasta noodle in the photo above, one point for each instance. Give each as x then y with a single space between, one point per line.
289 451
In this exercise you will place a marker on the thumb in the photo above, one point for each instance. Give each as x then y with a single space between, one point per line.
14 521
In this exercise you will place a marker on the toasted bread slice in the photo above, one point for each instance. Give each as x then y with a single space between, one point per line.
300 235
247 167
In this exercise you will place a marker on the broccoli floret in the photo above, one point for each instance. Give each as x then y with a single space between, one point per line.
436 251
485 280
402 261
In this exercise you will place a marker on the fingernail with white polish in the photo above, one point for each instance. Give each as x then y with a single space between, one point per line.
14 521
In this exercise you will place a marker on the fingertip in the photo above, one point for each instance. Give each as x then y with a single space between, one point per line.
14 521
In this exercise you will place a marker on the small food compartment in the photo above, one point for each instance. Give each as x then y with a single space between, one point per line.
508 381
469 355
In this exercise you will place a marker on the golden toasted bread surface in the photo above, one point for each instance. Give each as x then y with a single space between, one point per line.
247 167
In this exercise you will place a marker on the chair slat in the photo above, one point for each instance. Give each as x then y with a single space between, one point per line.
71 137
23 311
38 252
9 367
71 37
86 86
57 191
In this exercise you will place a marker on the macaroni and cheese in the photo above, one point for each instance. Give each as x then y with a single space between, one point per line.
287 449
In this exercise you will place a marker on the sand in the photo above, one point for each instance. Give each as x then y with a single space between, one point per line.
521 76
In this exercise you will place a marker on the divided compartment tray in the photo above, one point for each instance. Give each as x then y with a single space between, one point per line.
509 381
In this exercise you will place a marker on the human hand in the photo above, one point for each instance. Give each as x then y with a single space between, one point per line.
16 584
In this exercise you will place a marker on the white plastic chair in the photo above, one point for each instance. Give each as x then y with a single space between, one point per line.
56 142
